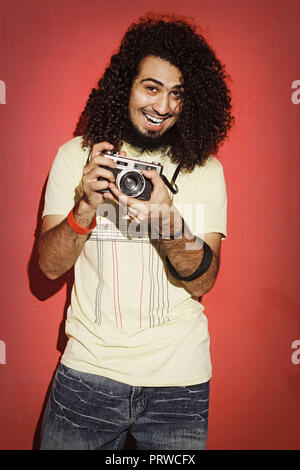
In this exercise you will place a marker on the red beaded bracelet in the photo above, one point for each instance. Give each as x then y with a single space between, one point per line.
78 228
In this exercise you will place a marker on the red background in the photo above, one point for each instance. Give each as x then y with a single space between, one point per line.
52 54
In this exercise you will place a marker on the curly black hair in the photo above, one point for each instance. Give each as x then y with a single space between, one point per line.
206 116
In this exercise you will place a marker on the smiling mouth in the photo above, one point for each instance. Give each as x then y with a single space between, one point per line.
153 121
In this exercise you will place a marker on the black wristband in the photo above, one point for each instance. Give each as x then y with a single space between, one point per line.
202 268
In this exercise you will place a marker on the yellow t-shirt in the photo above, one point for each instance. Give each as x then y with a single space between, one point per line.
129 320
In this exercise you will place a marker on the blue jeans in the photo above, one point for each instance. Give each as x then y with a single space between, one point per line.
90 412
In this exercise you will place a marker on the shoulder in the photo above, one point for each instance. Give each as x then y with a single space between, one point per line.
71 154
211 166
70 159
211 170
74 146
210 173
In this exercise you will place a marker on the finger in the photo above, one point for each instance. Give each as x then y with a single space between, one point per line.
120 198
141 216
97 186
102 160
141 209
135 219
126 200
115 191
135 215
98 160
123 199
132 211
151 174
100 146
110 197
99 172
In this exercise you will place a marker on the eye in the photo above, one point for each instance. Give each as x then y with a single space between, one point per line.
151 88
177 94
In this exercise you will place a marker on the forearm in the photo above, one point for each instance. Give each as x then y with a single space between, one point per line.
186 262
185 254
60 247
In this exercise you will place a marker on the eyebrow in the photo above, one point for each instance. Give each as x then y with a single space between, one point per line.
177 87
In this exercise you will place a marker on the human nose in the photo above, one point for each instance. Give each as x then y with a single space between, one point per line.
161 105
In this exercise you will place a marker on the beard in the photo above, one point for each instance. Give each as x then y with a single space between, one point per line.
148 142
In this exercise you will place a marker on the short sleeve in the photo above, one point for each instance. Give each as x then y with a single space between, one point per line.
203 203
63 188
213 195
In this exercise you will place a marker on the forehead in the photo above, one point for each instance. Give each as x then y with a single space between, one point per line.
160 70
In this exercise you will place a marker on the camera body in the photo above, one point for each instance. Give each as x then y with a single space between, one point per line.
128 175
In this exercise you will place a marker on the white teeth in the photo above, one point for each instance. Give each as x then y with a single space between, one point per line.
154 121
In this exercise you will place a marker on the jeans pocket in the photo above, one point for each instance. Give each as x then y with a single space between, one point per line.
86 400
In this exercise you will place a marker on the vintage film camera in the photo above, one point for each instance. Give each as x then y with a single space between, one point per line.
128 176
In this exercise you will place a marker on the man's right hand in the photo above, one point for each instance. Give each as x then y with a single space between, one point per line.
91 173
59 246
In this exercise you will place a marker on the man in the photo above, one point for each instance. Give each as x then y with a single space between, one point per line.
138 357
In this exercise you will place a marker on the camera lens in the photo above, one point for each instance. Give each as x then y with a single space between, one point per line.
131 183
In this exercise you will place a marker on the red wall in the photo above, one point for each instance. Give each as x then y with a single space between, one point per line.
52 53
